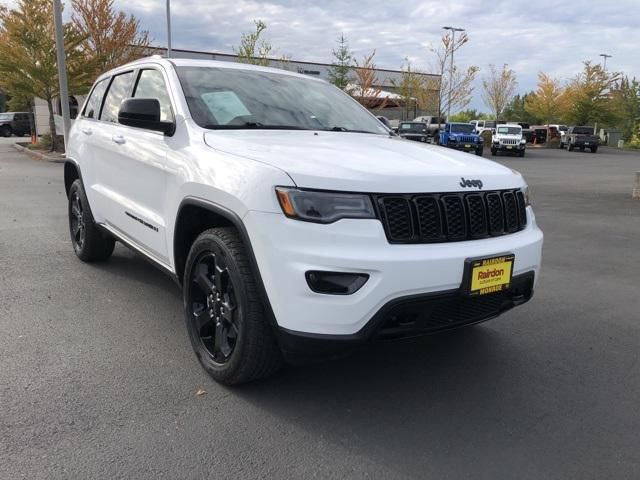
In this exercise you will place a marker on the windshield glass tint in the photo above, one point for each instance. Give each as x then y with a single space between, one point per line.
413 128
235 98
462 128
583 130
509 130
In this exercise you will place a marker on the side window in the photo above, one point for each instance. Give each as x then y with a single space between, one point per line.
118 91
151 85
92 108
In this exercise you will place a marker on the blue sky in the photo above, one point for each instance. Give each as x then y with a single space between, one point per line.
533 35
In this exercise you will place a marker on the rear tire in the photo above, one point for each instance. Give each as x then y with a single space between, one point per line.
225 316
89 242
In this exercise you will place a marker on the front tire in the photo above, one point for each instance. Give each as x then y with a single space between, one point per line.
89 243
479 152
225 317
5 131
570 147
594 149
494 152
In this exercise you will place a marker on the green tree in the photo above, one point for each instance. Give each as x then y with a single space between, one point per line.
340 72
110 37
625 99
253 49
589 94
465 116
28 66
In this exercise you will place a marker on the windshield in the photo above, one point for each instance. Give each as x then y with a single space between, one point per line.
413 128
461 128
490 124
509 130
6 116
583 130
225 98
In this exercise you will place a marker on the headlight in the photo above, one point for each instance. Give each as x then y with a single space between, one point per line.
523 140
323 207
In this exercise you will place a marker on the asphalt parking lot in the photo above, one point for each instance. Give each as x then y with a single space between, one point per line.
98 379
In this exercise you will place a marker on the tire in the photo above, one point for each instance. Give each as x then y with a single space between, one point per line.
89 243
570 147
5 131
594 149
225 317
582 149
479 152
561 146
521 154
494 152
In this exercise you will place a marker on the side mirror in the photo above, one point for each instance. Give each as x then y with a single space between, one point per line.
144 113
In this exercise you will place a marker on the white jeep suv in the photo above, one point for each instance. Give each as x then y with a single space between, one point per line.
296 224
508 139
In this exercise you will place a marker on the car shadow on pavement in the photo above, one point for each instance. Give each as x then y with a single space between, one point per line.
393 399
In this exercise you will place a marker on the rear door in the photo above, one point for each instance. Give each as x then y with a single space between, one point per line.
131 163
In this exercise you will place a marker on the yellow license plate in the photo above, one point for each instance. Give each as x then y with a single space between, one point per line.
509 147
488 275
467 146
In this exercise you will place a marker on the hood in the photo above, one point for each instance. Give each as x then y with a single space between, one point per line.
362 162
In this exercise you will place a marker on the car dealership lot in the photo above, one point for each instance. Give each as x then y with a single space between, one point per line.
98 379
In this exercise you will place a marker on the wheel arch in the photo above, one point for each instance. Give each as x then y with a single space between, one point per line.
71 174
195 216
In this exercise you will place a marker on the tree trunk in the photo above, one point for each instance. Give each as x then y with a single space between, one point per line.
52 125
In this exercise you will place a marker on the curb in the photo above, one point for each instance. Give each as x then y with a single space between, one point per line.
37 155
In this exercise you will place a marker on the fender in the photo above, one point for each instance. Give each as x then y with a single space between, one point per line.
237 222
71 163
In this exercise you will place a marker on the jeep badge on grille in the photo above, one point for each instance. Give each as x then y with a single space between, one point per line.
470 183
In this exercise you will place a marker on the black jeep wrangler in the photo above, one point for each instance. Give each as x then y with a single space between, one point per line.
15 123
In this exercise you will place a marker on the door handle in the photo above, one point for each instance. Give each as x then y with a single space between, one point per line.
119 139
87 131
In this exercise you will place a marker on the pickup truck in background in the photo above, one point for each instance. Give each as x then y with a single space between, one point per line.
461 136
416 131
581 137
433 125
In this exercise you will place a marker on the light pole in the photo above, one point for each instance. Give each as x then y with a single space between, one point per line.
605 56
453 41
168 28
62 71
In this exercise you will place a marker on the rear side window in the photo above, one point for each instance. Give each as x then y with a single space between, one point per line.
92 109
118 91
151 85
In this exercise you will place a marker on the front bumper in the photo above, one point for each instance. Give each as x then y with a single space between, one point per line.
508 148
466 147
416 138
410 316
286 249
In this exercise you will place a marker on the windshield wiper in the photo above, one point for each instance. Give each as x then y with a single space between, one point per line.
343 129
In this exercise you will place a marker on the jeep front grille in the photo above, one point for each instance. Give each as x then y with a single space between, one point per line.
509 141
451 217
467 139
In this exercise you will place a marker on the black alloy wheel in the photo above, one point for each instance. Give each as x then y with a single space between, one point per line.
225 316
77 221
213 307
89 242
